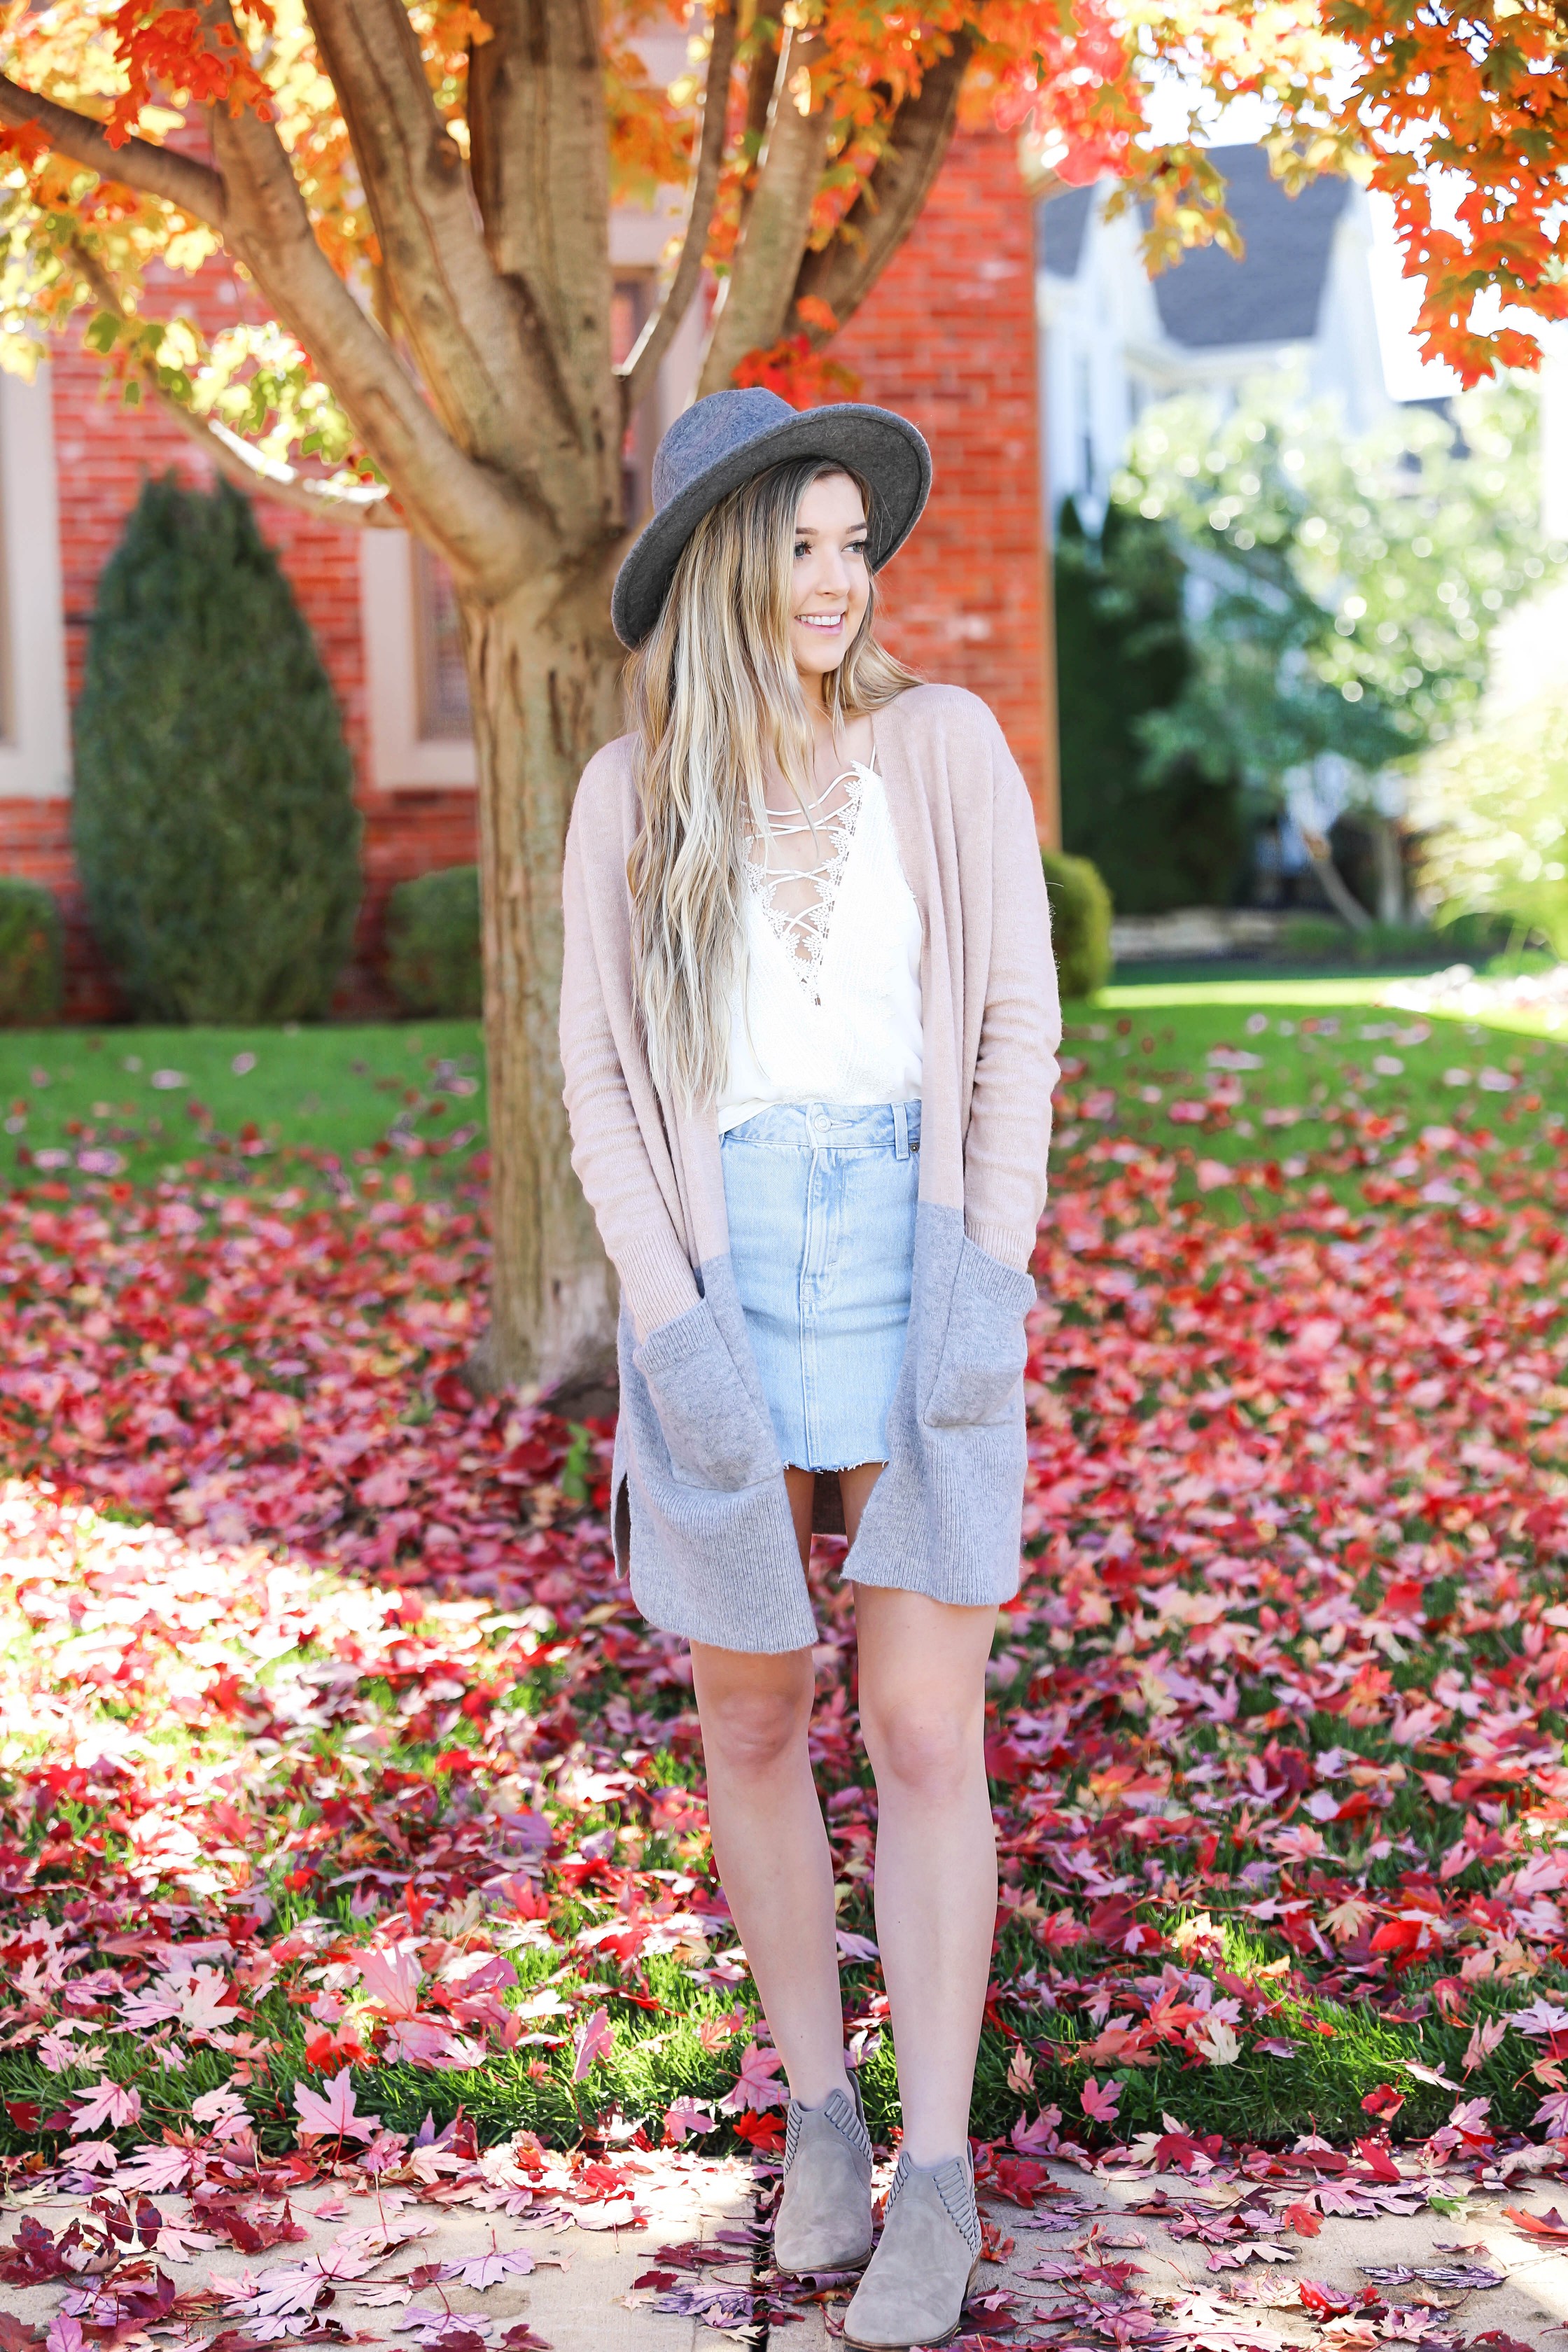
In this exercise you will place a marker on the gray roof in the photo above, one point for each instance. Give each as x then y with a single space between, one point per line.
1062 223
1205 301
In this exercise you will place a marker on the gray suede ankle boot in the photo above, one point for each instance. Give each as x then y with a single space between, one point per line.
824 2219
925 2262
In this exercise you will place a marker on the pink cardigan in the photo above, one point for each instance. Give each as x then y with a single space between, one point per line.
700 1511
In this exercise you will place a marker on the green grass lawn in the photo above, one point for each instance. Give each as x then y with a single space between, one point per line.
313 1368
1274 1069
139 1103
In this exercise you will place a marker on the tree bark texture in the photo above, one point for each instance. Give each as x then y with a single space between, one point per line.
544 676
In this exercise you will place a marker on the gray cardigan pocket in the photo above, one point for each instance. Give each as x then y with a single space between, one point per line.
716 1437
983 1350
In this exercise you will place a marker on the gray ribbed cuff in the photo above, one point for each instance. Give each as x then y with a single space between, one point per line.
1013 1245
658 1281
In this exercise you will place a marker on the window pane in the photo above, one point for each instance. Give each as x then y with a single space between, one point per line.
444 708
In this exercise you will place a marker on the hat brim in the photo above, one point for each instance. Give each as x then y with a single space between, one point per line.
886 450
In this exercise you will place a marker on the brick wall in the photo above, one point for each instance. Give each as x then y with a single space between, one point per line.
104 455
947 337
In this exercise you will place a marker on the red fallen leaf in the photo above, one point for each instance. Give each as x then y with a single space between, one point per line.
1377 2160
763 2132
522 2338
1018 2179
1004 1762
23 2114
1305 2222
1549 2224
1112 1921
452 1392
1384 2101
248 2234
34 2257
1323 2300
658 2279
995 2305
16 2335
1400 1936
1183 2148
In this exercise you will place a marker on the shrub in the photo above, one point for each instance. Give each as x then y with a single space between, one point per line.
1315 938
213 819
1173 839
1493 807
32 963
1081 923
1323 939
433 948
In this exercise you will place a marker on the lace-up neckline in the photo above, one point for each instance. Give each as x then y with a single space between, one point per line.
803 932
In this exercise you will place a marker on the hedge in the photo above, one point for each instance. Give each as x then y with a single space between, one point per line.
213 819
1081 923
434 959
32 959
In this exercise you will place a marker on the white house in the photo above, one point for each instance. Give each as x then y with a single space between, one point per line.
1113 340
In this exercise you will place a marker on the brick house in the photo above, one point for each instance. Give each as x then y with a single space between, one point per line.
948 337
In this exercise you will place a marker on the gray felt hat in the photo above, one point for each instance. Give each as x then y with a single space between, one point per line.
721 442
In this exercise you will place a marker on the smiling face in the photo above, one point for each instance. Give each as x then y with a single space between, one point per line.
831 584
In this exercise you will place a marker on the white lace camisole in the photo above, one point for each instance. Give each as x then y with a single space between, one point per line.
827 1005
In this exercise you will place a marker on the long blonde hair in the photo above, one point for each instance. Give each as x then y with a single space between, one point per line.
716 699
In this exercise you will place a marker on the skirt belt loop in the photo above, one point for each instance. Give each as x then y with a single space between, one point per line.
900 1130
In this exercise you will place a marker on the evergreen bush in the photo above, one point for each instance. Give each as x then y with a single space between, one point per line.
32 960
434 958
1315 938
1177 839
1323 939
1081 923
213 816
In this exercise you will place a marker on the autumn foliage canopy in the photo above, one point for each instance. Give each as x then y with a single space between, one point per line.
1397 92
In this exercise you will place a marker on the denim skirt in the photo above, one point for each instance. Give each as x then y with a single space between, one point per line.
821 1200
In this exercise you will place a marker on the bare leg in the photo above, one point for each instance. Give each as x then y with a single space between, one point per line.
923 1712
773 1852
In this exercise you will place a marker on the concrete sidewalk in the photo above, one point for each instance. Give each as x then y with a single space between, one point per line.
578 2298
1529 2306
581 2296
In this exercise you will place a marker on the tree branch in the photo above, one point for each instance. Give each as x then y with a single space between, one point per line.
466 510
642 362
151 171
760 287
247 467
761 75
462 321
247 470
540 161
844 272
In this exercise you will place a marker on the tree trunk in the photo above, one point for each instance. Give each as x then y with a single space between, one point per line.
544 674
1336 890
1389 865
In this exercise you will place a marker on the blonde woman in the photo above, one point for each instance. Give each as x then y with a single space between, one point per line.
808 1026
